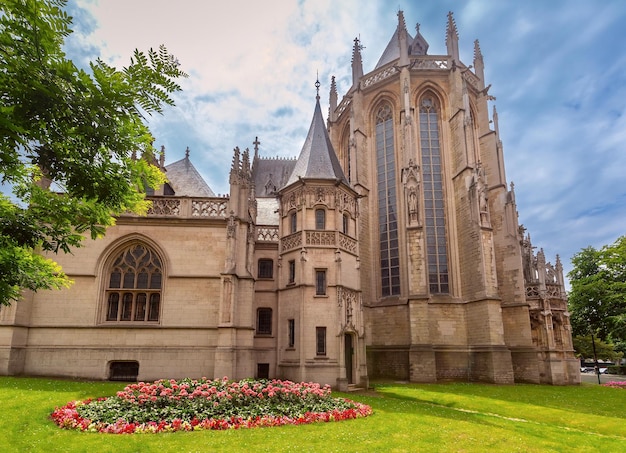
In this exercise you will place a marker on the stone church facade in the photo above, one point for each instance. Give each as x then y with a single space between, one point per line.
390 248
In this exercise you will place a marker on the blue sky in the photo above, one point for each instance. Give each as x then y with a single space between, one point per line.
557 69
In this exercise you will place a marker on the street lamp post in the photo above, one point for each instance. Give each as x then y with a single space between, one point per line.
595 356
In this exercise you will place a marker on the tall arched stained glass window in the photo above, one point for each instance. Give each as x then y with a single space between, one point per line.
435 219
134 286
387 203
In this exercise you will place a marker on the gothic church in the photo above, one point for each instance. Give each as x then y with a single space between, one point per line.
388 249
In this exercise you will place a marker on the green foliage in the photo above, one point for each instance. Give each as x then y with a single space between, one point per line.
597 300
604 351
78 130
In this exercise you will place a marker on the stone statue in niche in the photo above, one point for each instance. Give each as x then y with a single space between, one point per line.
411 181
481 191
412 205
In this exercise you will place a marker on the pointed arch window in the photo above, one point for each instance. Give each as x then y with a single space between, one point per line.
434 203
387 203
133 290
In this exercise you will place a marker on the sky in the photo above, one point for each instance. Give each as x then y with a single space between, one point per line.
557 69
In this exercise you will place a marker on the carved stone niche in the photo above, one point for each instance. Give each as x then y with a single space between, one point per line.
411 183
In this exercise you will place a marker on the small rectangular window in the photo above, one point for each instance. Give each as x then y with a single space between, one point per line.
292 271
320 219
292 333
346 224
293 222
264 321
320 282
263 370
266 268
320 340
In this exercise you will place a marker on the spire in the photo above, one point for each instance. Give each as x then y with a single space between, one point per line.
452 38
479 65
332 116
235 166
162 157
403 37
357 63
317 160
495 122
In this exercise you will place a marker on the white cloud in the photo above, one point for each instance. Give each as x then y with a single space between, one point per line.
558 71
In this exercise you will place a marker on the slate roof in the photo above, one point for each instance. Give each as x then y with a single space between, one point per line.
270 175
185 180
317 160
416 46
267 211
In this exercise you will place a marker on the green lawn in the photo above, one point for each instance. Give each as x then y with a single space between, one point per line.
442 417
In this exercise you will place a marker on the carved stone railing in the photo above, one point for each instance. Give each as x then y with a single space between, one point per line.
553 291
532 291
317 238
420 63
345 102
379 76
429 62
188 208
267 234
292 241
325 238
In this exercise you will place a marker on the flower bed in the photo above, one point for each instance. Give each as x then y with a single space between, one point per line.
189 404
615 384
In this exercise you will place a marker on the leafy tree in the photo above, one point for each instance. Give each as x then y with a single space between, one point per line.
604 351
597 300
78 130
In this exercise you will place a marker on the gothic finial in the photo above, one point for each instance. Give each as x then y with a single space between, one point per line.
162 156
332 105
256 144
357 62
401 22
317 87
451 28
187 153
417 28
496 128
477 53
452 38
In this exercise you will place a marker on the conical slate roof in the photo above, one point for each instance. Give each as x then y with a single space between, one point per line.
317 160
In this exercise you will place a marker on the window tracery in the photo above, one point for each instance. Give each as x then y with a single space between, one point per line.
387 203
434 208
133 290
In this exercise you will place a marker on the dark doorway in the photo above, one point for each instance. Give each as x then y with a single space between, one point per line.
349 353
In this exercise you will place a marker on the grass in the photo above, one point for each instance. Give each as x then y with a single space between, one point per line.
443 417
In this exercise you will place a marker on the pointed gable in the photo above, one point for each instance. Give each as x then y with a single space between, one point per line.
185 180
317 160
